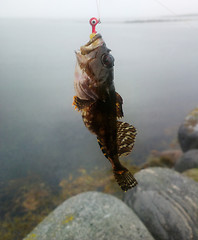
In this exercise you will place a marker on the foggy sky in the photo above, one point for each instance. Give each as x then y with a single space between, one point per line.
88 8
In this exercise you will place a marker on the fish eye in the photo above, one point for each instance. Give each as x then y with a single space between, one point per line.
107 60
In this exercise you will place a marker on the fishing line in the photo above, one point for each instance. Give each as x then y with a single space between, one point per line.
98 8
167 8
174 14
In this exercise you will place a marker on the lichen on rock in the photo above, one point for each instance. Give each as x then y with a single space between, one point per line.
91 215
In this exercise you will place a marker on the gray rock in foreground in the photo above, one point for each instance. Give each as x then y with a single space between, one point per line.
167 203
187 161
188 132
94 216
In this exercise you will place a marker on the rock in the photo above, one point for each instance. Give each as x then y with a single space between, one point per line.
172 154
187 161
94 216
192 173
167 203
166 158
188 132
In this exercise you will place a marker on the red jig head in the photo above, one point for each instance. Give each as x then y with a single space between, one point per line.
94 21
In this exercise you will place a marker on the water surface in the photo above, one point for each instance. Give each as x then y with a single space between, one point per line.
40 133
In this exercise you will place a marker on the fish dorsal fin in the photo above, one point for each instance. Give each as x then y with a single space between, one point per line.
119 102
125 138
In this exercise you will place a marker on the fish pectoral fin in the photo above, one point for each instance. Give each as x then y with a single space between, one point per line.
119 102
80 103
125 138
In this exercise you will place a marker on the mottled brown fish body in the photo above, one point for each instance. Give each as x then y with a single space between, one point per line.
101 106
100 118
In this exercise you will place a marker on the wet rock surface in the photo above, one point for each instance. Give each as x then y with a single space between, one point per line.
188 132
187 161
91 215
167 203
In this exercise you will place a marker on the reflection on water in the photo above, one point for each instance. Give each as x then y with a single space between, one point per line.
41 134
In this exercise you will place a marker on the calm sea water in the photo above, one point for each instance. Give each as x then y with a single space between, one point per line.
156 73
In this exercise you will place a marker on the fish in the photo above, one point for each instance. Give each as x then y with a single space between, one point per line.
101 106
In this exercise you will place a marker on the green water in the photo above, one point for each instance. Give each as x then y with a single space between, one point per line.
40 133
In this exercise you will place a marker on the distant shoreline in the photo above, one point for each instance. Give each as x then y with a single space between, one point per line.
160 19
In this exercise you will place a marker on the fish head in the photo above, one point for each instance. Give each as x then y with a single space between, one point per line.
94 69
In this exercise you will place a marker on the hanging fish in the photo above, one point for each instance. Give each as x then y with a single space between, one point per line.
101 106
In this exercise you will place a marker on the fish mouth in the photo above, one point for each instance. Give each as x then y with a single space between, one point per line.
94 43
94 39
84 54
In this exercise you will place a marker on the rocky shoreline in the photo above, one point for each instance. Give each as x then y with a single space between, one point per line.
163 206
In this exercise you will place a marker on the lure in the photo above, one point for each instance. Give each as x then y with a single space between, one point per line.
93 21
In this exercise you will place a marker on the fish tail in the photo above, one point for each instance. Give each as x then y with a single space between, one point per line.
125 179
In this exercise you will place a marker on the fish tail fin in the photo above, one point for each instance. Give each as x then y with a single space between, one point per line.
125 179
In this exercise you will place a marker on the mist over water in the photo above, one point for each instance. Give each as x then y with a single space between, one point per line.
40 133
